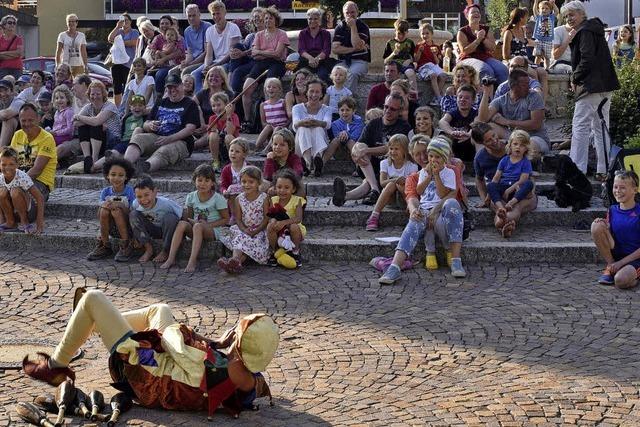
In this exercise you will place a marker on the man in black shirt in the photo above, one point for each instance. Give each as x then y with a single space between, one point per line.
167 135
351 40
369 152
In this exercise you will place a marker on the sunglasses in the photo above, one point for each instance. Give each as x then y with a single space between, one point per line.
388 107
625 174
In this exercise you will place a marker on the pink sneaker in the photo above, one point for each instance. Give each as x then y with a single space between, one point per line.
373 223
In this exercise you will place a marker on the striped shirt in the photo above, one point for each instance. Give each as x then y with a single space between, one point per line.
275 114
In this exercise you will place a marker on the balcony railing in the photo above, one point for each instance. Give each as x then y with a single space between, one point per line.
148 7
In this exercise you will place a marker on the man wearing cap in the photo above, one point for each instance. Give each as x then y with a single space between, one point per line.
167 135
520 108
9 107
164 364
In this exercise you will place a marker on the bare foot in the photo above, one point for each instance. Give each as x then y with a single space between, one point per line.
508 229
167 264
499 223
501 213
190 268
509 206
161 257
146 256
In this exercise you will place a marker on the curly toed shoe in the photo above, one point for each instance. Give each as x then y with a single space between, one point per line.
40 370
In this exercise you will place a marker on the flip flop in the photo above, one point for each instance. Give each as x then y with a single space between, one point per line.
28 229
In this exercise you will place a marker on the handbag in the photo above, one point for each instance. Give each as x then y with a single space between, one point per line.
118 51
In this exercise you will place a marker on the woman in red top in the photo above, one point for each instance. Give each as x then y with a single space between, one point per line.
476 44
11 48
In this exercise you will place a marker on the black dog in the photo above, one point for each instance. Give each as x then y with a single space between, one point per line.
572 187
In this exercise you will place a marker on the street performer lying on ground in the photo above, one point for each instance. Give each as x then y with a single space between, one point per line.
165 364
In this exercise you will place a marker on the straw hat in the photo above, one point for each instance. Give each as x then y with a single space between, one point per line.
257 339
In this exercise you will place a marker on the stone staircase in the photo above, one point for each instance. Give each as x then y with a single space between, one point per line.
334 234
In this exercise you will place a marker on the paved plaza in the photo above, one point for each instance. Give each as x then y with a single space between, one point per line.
505 346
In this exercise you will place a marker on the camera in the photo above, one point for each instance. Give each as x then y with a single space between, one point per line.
488 81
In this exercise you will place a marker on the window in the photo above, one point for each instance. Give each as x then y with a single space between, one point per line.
443 21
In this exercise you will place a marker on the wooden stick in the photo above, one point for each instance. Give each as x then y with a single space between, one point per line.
234 100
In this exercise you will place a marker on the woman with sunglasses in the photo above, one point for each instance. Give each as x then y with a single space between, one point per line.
11 48
72 48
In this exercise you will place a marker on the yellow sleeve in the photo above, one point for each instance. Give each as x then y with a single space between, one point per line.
47 146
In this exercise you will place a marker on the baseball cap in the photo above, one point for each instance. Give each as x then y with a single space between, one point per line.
44 97
6 84
24 78
173 80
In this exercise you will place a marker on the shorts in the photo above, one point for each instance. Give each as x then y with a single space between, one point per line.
543 48
617 256
427 70
120 147
169 154
32 209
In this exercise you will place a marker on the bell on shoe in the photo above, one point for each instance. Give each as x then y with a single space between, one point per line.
431 262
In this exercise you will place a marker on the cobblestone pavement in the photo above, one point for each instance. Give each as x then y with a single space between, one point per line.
506 346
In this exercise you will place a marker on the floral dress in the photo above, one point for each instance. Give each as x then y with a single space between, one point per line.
257 247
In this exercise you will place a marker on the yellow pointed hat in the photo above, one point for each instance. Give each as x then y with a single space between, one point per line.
257 339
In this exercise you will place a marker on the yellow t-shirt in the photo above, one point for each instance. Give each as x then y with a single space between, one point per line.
291 208
42 145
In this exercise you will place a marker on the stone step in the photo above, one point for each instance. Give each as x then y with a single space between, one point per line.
81 204
180 181
528 244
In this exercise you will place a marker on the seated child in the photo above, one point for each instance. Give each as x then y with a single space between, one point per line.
63 129
337 91
427 57
617 236
153 217
19 196
456 124
282 155
273 113
511 183
132 121
287 185
249 238
372 113
205 211
346 130
230 177
401 51
140 84
224 130
393 171
45 110
115 202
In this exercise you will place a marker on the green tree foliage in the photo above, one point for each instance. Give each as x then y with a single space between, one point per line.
624 114
498 12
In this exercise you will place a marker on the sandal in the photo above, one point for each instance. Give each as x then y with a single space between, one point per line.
28 229
234 266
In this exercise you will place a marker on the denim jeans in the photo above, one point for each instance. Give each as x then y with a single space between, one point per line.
448 227
491 67
496 189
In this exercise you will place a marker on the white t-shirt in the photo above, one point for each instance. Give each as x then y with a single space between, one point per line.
27 95
336 96
560 34
407 169
221 42
21 180
141 89
71 48
430 196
